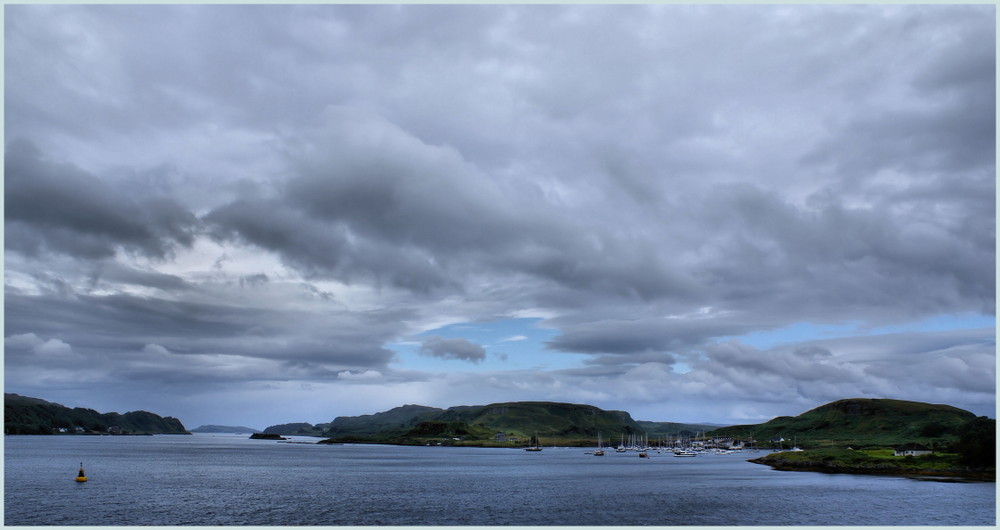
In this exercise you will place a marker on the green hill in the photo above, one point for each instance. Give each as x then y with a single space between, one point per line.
228 429
859 422
300 429
27 415
671 431
390 423
562 423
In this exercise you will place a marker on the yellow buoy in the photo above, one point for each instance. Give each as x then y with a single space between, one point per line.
81 477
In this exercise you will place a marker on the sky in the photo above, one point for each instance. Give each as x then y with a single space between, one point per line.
253 215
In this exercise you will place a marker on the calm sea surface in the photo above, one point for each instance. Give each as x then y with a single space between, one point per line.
232 480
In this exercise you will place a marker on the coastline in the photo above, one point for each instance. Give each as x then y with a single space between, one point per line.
824 463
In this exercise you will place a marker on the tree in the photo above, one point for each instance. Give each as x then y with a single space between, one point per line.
977 443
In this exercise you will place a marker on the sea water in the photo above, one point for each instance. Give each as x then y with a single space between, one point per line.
232 480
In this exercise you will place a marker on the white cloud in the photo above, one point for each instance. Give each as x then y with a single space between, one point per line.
47 349
367 375
155 349
54 348
24 340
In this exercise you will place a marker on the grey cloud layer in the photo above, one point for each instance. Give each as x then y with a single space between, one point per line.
58 207
654 179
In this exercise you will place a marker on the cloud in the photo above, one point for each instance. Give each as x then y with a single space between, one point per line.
155 349
367 375
92 221
280 193
43 350
353 341
905 365
23 341
459 349
54 348
253 280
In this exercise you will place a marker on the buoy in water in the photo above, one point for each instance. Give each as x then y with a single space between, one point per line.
81 477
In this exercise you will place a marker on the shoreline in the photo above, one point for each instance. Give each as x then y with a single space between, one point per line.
777 462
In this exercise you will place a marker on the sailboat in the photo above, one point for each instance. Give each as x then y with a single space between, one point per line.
621 446
600 446
536 447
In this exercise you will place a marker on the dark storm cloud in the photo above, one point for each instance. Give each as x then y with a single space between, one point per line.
60 208
640 335
459 349
325 250
632 359
95 323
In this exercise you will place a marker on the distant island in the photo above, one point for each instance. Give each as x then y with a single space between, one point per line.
511 424
224 429
845 436
28 415
298 429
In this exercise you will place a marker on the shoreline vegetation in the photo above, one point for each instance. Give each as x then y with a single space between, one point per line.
28 415
877 462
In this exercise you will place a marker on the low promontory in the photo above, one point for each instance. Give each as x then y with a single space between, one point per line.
266 436
876 462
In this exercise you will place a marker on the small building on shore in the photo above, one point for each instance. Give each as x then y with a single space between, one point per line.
912 449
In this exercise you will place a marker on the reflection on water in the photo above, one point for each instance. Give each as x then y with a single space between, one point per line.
231 480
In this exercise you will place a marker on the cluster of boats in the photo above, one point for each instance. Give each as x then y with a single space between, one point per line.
640 445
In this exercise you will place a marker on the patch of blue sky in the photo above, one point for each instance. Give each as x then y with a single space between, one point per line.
798 332
940 323
808 331
510 344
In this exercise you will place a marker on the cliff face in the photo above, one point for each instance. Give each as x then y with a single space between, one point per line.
26 415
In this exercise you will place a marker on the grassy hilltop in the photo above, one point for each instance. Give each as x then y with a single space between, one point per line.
859 422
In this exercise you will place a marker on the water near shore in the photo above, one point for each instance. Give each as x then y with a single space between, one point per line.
231 480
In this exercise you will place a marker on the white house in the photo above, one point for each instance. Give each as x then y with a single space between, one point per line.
912 449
